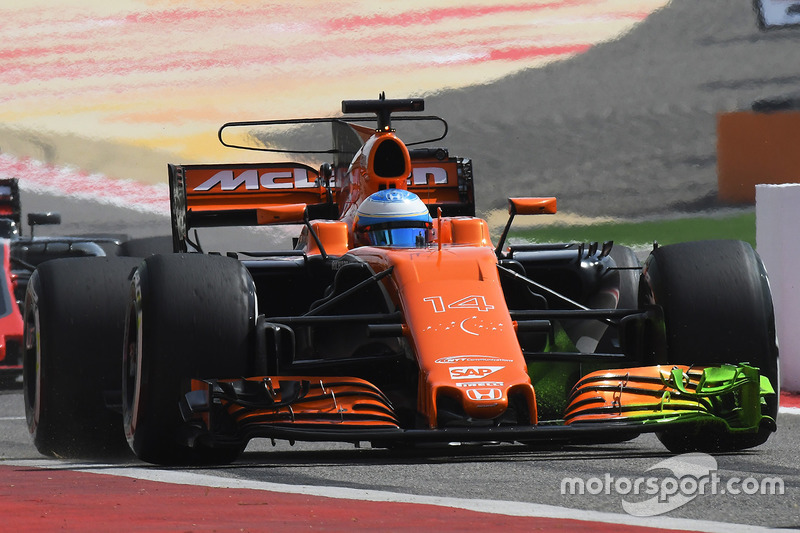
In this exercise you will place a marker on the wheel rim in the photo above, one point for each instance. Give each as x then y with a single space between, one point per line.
32 360
132 363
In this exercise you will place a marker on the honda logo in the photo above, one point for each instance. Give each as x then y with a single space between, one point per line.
484 395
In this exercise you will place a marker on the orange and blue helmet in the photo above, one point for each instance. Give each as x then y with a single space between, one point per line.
393 217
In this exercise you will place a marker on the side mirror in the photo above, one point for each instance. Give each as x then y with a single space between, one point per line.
525 206
532 206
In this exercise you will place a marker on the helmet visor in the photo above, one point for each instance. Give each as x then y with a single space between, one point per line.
393 236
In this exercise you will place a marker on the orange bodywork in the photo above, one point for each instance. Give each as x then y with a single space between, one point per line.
462 230
532 206
625 393
271 193
419 337
454 309
325 401
459 326
228 187
333 236
449 293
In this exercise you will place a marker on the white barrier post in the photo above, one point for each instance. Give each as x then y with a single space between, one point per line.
777 228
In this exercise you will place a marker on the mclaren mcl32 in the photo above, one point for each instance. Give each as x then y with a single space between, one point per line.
392 318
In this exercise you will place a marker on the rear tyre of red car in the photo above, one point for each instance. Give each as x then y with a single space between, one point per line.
717 309
190 316
74 320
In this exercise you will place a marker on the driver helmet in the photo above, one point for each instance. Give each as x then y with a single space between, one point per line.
393 217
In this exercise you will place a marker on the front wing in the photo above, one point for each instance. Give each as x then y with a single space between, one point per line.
605 406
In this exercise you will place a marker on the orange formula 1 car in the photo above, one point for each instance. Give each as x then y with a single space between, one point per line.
393 319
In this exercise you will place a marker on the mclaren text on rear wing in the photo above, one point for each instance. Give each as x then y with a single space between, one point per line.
233 194
236 194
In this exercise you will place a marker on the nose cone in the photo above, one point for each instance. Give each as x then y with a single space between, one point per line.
484 402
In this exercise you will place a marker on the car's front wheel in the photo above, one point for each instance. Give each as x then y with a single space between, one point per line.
190 316
717 309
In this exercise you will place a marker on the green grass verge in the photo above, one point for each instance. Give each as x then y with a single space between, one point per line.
739 226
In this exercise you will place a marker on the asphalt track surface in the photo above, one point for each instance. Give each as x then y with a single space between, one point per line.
647 130
339 487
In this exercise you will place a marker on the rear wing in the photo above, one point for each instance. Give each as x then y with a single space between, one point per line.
270 193
442 182
234 195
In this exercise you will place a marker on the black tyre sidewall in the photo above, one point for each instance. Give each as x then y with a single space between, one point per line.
74 317
717 309
630 268
710 291
191 316
146 246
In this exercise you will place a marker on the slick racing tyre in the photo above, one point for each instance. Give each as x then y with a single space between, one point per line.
628 268
74 321
717 309
146 246
189 316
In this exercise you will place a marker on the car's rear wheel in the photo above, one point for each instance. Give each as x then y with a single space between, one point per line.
146 246
191 316
717 309
74 319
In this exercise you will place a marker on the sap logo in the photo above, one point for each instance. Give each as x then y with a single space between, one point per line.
484 395
420 176
473 372
279 179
